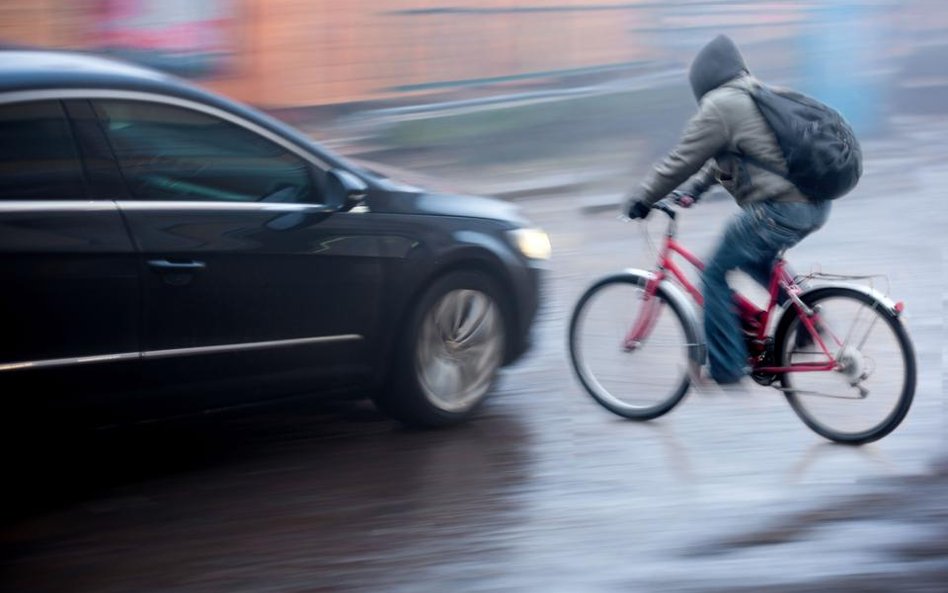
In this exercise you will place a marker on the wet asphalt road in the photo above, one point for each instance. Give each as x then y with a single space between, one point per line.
545 491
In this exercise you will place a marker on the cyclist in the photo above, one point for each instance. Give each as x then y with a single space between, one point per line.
775 215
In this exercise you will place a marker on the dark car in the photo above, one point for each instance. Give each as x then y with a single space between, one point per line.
164 249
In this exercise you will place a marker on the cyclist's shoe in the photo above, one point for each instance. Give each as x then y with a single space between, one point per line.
700 379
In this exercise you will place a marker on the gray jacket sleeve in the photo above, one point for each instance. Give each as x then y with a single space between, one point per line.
705 136
701 181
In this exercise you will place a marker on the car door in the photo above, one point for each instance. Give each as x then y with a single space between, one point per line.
253 285
70 296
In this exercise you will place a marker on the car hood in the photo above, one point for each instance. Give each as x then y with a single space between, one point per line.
418 201
400 178
406 192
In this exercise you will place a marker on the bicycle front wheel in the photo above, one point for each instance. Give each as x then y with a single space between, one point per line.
640 382
870 391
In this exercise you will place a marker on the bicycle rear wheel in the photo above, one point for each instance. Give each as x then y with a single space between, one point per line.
869 393
640 383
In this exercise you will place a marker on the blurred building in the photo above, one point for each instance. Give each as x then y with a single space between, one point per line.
284 53
298 53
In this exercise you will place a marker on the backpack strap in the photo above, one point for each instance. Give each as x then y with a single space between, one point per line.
754 86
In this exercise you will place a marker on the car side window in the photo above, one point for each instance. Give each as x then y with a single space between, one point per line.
171 153
38 155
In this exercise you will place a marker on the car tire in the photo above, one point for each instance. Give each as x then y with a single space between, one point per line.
449 352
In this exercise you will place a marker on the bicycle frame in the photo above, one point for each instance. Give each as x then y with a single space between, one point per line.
780 280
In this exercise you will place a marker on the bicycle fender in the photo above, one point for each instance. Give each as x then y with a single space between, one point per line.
885 302
697 350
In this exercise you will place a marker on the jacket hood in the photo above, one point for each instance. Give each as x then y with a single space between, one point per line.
718 62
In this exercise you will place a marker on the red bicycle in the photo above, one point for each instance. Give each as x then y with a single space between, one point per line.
839 352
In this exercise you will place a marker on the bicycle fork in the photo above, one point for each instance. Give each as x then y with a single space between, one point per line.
645 321
640 331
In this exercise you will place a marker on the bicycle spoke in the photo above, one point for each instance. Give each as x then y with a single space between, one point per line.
855 324
862 342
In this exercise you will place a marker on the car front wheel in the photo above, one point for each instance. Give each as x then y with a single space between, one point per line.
450 353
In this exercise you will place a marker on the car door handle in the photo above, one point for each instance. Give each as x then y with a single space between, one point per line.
176 266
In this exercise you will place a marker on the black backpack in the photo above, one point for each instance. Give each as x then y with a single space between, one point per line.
823 156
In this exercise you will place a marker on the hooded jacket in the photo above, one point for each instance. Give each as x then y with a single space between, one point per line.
726 127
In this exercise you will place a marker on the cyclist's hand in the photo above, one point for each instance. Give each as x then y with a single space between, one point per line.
638 209
683 200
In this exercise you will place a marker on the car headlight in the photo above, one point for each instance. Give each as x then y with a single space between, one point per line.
532 243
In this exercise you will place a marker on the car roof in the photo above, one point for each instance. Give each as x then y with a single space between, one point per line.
24 70
37 70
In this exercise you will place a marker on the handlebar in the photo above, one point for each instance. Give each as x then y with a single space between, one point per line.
664 206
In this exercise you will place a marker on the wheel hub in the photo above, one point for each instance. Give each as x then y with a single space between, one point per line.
460 348
852 364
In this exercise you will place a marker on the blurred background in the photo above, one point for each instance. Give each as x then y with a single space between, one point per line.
559 105
445 83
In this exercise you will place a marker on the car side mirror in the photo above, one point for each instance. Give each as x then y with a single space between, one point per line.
344 190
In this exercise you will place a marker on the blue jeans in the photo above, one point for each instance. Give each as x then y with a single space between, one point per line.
751 243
